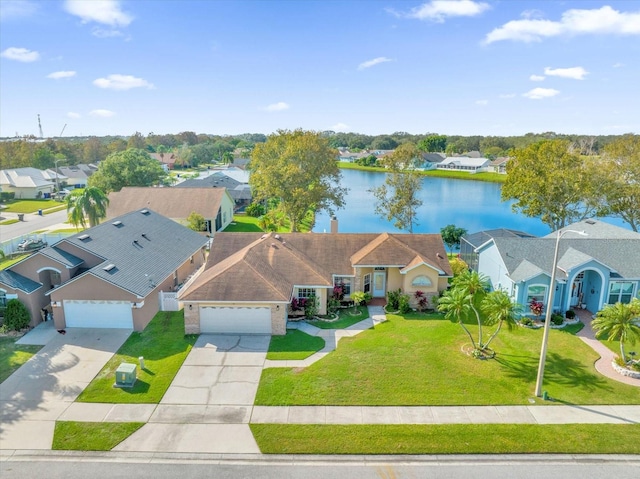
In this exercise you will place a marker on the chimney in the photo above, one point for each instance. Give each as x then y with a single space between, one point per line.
334 224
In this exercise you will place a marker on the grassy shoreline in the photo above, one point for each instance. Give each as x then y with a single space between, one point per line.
457 175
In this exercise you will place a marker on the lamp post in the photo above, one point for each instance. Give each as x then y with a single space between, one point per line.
55 163
547 318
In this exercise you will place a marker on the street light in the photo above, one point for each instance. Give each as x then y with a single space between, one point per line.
547 320
55 163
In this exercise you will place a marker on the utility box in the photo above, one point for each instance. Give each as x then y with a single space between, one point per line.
125 375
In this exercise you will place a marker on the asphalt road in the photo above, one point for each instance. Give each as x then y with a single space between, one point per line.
32 222
331 467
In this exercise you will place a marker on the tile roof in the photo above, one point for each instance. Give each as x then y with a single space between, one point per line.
175 203
61 256
144 248
17 281
266 267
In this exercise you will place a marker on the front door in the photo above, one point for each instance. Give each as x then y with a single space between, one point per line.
379 288
576 290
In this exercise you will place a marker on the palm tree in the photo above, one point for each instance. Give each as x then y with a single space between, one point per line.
619 321
499 309
89 204
475 288
456 306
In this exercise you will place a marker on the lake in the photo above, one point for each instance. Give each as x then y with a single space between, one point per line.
473 205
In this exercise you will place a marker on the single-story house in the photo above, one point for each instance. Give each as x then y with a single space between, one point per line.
240 192
108 276
499 165
470 242
600 268
464 163
430 161
76 176
250 279
167 160
214 204
28 182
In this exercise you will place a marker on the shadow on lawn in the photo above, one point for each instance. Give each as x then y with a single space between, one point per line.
558 369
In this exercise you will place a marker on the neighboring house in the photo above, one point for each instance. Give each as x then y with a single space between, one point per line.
251 278
240 192
592 271
241 163
464 163
470 242
28 183
108 276
430 161
499 165
76 176
167 160
214 204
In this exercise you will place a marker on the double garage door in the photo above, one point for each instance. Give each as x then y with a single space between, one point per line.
98 314
223 320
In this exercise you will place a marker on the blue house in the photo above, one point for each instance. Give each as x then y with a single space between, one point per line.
592 271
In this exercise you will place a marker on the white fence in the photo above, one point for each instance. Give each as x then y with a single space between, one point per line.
11 246
169 301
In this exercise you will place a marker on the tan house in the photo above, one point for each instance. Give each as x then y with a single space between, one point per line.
250 279
109 276
214 204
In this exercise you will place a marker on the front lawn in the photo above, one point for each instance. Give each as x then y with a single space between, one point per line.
347 317
8 261
91 436
31 206
448 439
422 362
294 345
13 355
164 347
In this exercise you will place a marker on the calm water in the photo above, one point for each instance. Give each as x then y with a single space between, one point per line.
473 205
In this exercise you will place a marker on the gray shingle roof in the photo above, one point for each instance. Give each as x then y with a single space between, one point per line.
597 229
478 239
61 256
17 281
145 248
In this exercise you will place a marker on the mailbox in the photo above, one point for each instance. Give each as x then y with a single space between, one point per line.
125 375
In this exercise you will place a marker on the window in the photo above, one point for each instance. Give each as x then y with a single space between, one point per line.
3 298
367 283
345 282
620 292
55 278
421 280
537 292
306 292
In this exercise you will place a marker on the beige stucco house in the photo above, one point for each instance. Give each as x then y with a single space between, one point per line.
109 276
250 279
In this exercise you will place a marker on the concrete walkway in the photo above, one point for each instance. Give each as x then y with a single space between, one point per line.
602 365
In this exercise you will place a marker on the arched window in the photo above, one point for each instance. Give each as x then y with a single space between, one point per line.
421 280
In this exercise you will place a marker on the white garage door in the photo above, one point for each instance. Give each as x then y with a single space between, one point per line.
235 320
98 314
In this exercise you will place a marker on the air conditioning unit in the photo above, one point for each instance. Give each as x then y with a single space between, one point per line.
125 375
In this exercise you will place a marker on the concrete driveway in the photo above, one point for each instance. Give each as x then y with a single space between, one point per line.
33 397
208 405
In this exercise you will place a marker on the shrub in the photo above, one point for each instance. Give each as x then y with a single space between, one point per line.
7 195
570 314
16 316
536 307
332 305
367 298
255 210
557 319
310 307
404 305
393 300
421 300
526 321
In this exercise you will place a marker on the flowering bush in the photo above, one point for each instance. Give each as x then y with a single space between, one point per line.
421 300
338 291
536 307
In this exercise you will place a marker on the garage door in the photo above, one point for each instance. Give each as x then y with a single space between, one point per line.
98 314
235 320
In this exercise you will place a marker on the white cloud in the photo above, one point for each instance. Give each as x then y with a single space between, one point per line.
482 102
507 95
601 21
340 127
577 73
375 61
536 78
438 10
20 54
106 33
102 113
122 82
540 93
62 74
618 65
74 115
280 106
107 12
16 8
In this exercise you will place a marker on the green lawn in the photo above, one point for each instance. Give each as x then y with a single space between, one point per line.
91 436
164 347
31 206
421 362
294 345
8 261
54 210
13 355
347 318
448 439
460 175
243 224
9 222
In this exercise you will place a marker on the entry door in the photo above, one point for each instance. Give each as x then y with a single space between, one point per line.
576 290
379 289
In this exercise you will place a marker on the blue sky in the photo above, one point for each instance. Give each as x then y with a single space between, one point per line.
226 67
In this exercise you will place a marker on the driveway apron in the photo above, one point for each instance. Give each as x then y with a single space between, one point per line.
208 406
33 397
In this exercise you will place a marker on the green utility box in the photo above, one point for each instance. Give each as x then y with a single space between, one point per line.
125 375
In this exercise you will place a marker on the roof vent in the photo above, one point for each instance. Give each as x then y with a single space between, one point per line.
590 222
135 242
273 245
144 235
117 223
109 267
83 237
145 212
277 237
264 236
